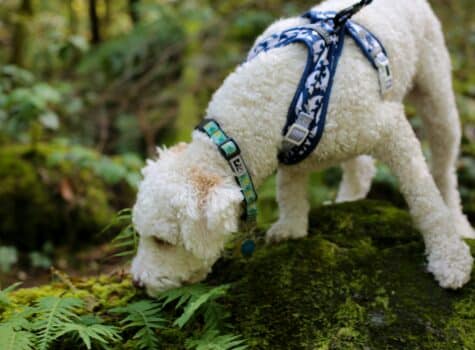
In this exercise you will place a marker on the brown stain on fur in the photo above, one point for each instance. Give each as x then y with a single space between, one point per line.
178 148
203 182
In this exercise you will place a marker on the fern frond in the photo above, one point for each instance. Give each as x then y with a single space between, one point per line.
212 340
127 239
147 317
121 217
51 315
183 294
19 320
196 303
4 300
13 339
101 335
215 315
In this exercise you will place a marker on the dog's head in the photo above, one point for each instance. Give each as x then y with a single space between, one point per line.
183 214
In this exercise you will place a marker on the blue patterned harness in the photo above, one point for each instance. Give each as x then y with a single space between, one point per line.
324 37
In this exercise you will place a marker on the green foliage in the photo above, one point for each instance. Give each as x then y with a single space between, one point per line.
10 339
53 318
52 314
128 55
212 340
125 243
196 299
60 200
100 334
200 301
191 315
8 258
4 300
144 317
27 106
112 170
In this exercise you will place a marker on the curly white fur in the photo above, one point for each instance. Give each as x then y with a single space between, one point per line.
195 217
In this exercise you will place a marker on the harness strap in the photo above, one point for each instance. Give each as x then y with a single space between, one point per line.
324 39
345 14
229 149
307 112
374 52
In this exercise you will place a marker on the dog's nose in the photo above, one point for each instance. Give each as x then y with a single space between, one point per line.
138 283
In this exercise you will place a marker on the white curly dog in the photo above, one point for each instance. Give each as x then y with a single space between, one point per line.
189 203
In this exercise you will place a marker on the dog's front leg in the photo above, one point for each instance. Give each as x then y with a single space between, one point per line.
293 205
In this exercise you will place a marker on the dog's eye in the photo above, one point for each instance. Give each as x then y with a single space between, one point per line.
161 242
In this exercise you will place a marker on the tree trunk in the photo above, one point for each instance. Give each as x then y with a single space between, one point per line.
134 11
73 17
94 22
107 17
20 32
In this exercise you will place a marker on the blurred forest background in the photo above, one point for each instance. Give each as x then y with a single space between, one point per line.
88 88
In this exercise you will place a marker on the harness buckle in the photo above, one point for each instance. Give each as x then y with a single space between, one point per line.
384 73
296 134
299 130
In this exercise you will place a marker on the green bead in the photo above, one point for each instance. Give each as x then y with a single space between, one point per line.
219 137
211 128
229 147
244 180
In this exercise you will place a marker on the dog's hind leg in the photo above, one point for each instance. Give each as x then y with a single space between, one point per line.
449 257
357 176
293 205
434 100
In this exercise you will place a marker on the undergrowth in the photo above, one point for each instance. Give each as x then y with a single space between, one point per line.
190 315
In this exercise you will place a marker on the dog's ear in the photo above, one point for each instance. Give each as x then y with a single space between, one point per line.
222 208
217 208
217 199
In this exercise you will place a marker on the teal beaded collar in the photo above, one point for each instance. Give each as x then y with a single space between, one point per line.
229 149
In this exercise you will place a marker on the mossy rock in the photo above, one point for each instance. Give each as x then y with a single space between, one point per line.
359 281
63 203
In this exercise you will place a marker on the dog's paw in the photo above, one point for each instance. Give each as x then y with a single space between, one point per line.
451 264
284 230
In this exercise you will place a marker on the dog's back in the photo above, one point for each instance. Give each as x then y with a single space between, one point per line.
402 26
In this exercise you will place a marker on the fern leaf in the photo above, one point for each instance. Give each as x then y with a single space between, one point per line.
146 316
103 335
121 217
12 339
212 340
4 300
51 314
126 241
183 295
214 315
192 307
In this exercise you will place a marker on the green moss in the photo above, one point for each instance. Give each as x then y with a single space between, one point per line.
62 203
100 293
359 281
